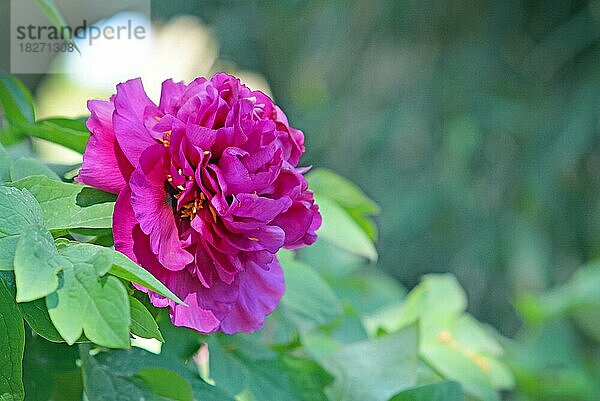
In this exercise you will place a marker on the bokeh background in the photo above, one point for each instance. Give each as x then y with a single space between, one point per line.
472 123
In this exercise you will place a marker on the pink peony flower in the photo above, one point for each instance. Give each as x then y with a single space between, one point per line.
208 191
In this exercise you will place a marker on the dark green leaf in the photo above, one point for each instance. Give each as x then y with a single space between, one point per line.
308 378
258 371
443 391
18 210
142 322
35 313
72 134
16 101
12 343
108 374
166 383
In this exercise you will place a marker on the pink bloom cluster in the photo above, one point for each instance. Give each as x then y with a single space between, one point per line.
208 191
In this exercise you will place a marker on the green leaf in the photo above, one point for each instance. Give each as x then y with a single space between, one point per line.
12 345
87 303
35 313
341 230
5 163
308 378
443 391
111 375
16 101
259 372
325 182
453 363
36 264
27 166
127 269
376 369
51 10
142 323
72 134
18 210
67 206
452 343
308 299
166 383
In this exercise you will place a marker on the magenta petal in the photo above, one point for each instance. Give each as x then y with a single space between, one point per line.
132 109
153 210
103 162
169 96
123 223
259 293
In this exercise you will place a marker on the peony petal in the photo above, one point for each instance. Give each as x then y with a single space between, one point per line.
153 208
170 96
259 293
104 165
133 109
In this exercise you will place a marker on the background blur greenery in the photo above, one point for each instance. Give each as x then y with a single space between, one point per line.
474 125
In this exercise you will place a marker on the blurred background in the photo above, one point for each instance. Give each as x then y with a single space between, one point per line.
473 124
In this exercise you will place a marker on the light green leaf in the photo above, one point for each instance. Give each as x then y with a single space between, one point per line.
454 364
308 299
36 264
341 230
12 345
452 343
443 391
67 206
376 369
142 322
18 210
86 303
325 182
27 166
72 134
166 383
127 269
5 163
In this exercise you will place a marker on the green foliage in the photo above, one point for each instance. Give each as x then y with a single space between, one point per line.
71 134
12 342
142 321
443 391
376 369
126 269
18 210
67 206
26 166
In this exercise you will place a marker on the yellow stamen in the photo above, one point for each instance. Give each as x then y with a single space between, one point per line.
253 239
